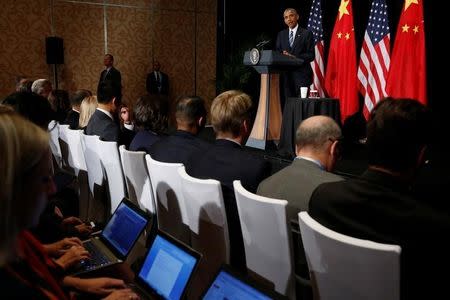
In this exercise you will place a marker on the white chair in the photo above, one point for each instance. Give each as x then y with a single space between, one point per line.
343 267
208 224
97 209
53 129
267 238
137 178
110 158
76 158
64 146
170 207
77 162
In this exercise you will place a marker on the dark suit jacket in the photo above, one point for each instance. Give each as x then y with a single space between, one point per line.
72 119
178 147
226 161
113 76
107 129
143 141
378 207
303 48
152 86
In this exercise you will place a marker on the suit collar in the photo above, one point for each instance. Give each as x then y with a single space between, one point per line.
228 143
309 161
384 179
184 134
106 113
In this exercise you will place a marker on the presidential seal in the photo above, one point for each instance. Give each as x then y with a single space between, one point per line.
254 56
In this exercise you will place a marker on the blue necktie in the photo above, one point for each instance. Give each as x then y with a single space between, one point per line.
291 38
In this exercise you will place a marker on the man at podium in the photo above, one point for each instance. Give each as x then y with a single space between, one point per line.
296 42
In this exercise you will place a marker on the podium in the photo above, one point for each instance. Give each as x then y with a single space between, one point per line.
269 64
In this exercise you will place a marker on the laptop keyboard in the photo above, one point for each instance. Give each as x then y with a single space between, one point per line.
97 257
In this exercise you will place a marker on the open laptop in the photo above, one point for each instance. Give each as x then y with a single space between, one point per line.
229 284
116 240
167 269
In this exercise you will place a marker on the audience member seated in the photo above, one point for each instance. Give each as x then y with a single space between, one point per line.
102 122
42 87
150 125
73 116
191 118
26 270
52 225
23 84
60 103
87 109
379 205
317 144
226 161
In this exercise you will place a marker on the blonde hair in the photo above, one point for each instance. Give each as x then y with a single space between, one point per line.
87 109
229 110
23 145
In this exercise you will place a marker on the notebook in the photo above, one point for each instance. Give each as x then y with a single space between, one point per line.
229 284
167 269
116 240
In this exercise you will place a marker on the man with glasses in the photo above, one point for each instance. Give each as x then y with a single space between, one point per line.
317 146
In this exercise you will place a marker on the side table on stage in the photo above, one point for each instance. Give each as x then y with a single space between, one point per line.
269 64
298 109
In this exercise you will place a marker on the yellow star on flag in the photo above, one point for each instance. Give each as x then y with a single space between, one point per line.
339 35
347 36
416 29
343 8
409 2
405 28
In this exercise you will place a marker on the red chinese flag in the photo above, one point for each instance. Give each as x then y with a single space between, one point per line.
340 78
407 74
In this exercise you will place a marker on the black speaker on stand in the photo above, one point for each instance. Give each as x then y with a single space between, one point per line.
54 49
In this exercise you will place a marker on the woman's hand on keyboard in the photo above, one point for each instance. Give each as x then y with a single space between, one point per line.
72 257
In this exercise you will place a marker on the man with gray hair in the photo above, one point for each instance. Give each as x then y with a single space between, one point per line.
42 87
317 145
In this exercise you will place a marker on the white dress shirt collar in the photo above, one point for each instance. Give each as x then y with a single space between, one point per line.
294 30
106 112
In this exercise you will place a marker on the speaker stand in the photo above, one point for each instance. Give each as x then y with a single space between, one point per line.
55 76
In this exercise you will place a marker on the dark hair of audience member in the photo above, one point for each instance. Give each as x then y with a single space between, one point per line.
35 108
147 116
189 109
78 96
107 91
398 129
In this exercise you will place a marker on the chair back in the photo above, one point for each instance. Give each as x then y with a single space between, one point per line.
64 146
97 209
208 224
137 178
53 129
110 158
170 206
76 158
77 164
267 238
344 267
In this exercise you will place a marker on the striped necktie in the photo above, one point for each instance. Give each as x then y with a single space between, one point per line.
291 38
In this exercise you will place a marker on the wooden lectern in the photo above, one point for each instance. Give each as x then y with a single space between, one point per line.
269 64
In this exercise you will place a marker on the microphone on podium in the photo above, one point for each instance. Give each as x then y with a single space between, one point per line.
262 43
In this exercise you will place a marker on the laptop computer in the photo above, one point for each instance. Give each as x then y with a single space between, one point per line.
116 240
229 284
167 269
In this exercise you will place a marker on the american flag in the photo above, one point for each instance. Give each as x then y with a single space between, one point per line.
315 25
375 57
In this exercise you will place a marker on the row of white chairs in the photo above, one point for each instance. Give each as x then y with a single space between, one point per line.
193 211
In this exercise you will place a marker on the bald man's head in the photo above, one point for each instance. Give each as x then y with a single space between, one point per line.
316 131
